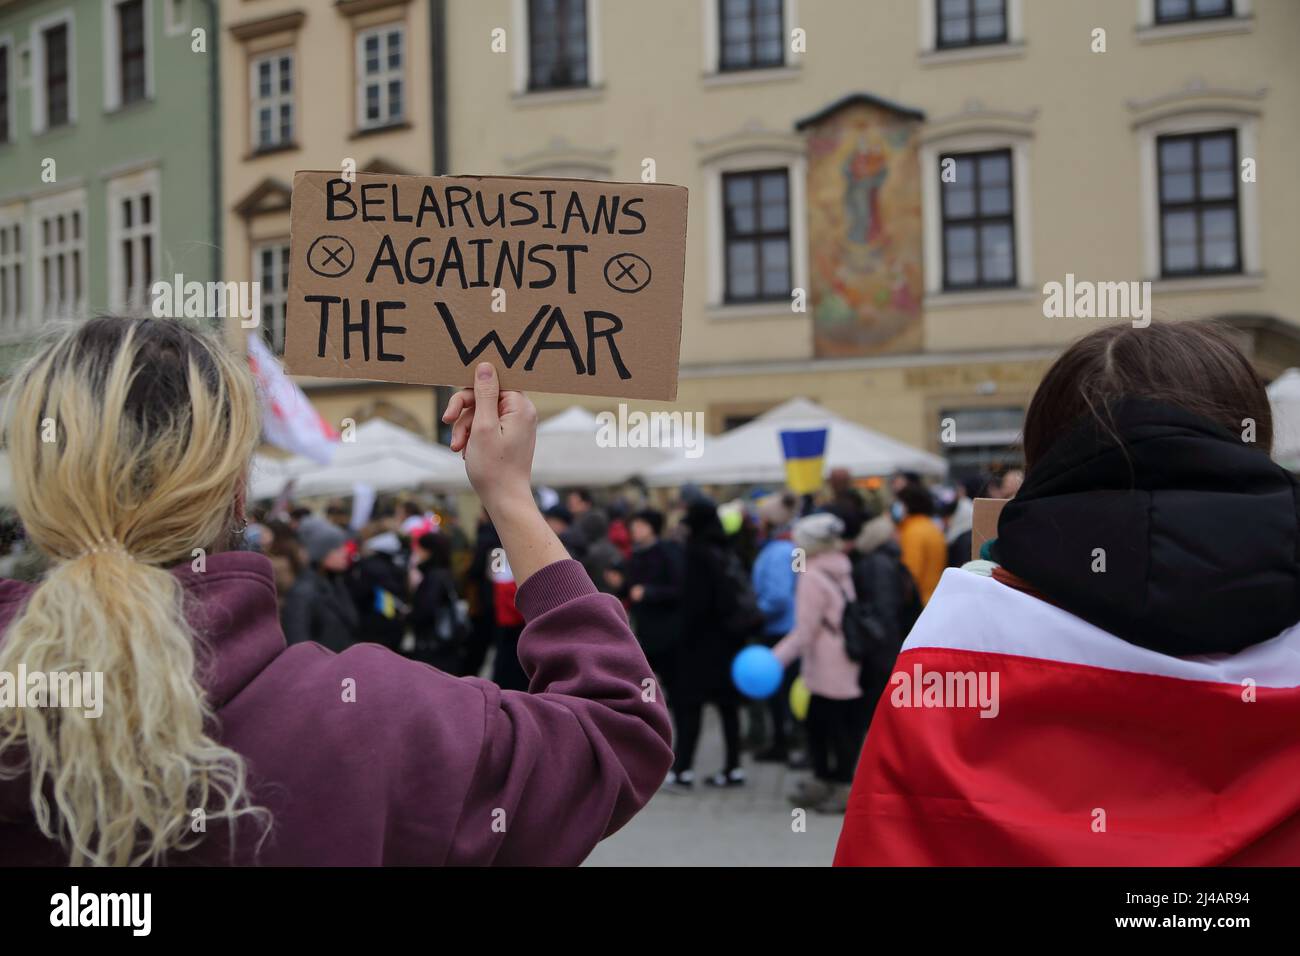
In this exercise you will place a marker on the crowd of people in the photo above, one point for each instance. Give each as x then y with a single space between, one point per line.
700 581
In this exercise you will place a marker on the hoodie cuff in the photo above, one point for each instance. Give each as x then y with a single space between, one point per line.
556 584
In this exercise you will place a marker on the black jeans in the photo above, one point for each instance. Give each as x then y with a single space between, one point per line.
687 715
835 732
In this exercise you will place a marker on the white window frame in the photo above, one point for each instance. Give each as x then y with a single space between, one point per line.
1148 30
61 204
15 320
928 33
595 66
384 77
932 211
113 58
174 25
1248 223
796 167
132 186
7 43
274 298
713 39
276 99
40 107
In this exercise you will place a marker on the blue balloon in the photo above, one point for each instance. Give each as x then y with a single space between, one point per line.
757 672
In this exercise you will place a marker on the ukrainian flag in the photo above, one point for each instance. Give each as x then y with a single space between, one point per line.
385 603
805 454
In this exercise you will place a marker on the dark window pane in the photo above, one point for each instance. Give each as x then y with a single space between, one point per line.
56 75
978 211
1200 226
557 44
131 50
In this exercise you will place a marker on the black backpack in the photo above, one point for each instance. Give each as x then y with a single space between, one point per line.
867 641
745 620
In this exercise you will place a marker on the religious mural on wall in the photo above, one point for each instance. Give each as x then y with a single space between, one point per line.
864 229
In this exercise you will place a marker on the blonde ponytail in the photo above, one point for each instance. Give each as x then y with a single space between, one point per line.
130 440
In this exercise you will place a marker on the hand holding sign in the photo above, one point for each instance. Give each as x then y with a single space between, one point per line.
496 432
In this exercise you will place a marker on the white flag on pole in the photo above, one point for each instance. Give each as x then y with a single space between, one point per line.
288 419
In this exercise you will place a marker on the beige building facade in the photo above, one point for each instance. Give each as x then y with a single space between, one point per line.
919 170
309 84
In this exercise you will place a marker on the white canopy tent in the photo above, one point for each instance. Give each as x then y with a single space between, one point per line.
751 454
568 453
381 455
1284 396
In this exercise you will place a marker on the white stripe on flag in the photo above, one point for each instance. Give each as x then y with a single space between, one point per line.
976 613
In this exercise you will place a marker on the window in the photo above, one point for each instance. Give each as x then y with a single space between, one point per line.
557 44
756 235
978 220
133 239
56 79
983 440
131 73
176 16
6 106
60 257
1199 220
750 35
970 23
380 99
1180 11
271 269
272 106
11 274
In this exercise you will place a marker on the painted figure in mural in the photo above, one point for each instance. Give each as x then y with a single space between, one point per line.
864 172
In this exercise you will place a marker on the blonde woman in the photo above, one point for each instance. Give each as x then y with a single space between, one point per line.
130 441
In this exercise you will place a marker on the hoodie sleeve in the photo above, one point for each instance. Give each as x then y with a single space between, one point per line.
570 762
810 604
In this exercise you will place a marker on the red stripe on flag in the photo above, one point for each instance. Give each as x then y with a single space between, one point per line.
1183 772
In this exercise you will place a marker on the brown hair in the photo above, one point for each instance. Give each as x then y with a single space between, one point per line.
1192 365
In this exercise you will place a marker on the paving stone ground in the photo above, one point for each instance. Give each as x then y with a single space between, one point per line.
746 826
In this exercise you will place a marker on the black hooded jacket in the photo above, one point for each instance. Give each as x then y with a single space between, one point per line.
1196 531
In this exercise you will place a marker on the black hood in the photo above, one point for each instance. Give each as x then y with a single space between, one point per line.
1198 530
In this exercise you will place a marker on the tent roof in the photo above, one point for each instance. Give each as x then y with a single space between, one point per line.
751 454
568 453
382 455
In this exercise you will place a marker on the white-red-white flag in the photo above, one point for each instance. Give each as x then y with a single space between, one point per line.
1085 750
288 419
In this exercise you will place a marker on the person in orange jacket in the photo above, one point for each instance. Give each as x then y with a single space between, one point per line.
925 552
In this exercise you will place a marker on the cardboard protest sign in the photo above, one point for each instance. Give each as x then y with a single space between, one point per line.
984 523
564 285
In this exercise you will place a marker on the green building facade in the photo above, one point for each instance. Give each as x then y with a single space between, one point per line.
108 171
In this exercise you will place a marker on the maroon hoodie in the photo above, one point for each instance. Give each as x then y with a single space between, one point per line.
422 768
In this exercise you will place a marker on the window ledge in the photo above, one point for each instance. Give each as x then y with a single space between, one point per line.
767 74
775 309
395 127
576 94
1159 32
965 54
67 127
128 108
1208 283
978 297
270 151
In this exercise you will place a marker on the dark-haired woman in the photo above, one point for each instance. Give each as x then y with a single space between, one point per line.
1120 683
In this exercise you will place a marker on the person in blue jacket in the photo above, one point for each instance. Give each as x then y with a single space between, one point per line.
774 581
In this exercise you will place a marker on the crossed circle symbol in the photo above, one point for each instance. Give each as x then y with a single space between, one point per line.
627 272
331 257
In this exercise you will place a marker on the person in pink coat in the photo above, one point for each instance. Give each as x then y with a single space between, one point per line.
837 712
